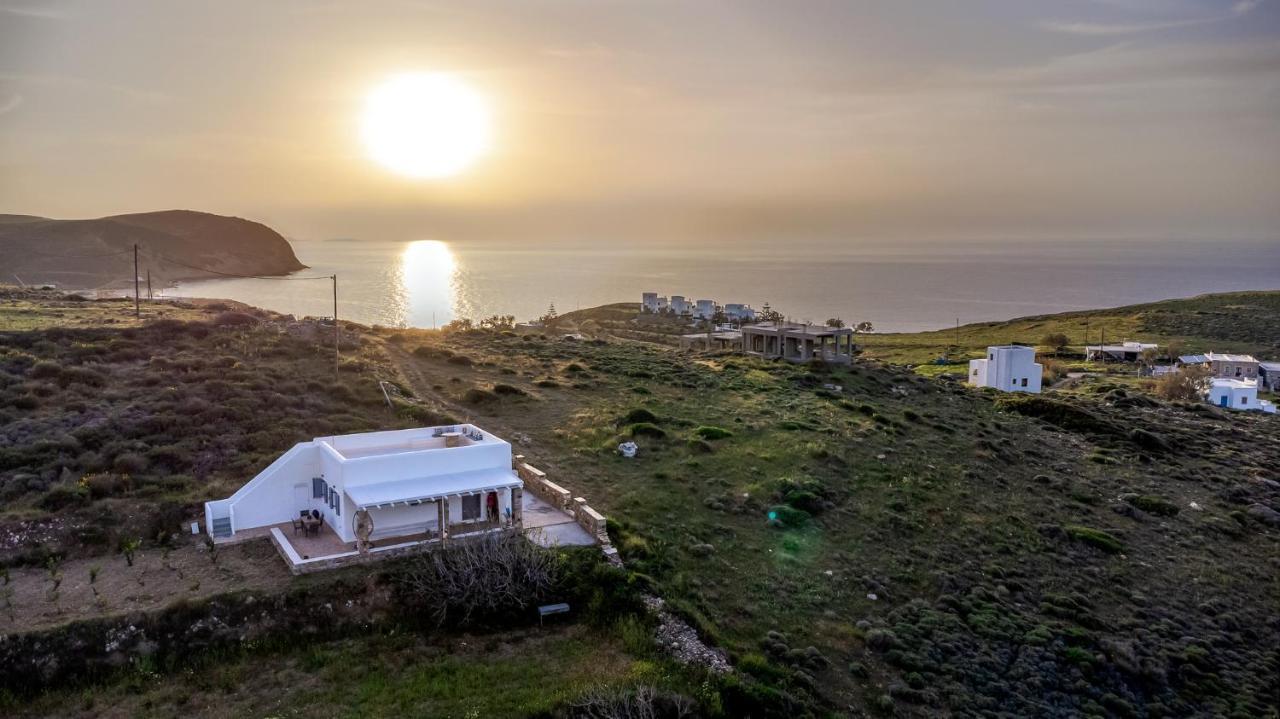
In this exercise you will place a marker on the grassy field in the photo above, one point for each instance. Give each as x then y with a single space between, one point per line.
518 673
862 540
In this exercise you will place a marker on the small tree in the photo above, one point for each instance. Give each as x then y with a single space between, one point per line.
1188 384
835 322
863 327
129 548
768 314
1172 350
550 315
1057 340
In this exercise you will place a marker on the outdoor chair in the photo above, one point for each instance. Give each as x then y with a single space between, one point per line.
298 526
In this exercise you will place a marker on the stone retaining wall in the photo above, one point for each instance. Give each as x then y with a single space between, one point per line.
535 480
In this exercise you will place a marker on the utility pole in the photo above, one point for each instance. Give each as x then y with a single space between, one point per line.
957 332
137 301
335 325
149 295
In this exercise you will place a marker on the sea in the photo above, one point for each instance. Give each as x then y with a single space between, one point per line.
898 286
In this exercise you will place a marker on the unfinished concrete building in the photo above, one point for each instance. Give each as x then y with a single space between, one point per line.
798 342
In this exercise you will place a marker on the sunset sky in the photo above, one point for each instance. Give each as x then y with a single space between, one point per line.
677 120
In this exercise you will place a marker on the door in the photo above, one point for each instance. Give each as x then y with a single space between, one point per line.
301 498
1222 402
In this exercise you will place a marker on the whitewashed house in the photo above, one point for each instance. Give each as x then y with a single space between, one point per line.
704 309
1232 393
679 305
737 312
1011 368
432 481
652 303
1123 352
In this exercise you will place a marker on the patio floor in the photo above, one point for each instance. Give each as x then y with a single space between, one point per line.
548 526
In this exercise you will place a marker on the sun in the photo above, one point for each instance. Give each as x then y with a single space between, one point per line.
426 125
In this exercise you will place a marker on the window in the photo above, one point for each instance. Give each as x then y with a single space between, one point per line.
470 507
1024 381
317 488
1244 400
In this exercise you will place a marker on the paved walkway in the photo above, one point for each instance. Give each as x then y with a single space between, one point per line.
549 526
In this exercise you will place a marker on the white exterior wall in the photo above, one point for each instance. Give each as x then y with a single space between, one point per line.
284 488
705 309
1234 395
649 301
1006 368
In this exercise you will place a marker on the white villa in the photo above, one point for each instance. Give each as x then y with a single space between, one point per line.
1012 368
679 305
738 312
428 483
1237 394
1123 352
704 309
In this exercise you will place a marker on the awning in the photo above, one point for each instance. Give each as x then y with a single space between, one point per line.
429 489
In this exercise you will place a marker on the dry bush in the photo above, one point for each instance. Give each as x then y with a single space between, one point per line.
643 702
1188 384
497 574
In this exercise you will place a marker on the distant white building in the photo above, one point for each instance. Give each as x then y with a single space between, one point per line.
739 312
704 309
1011 368
1237 394
679 305
1123 352
649 302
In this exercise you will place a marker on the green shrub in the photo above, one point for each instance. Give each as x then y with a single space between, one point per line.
639 414
646 429
509 390
783 515
712 432
1095 538
1154 505
475 395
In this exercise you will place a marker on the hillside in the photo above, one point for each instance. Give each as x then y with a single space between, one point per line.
174 244
863 540
1224 322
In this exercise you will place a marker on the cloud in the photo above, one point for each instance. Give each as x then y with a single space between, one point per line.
1239 9
36 12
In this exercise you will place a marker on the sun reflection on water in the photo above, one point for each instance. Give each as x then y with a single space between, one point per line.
427 284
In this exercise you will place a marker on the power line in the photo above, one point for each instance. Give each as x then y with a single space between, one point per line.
162 258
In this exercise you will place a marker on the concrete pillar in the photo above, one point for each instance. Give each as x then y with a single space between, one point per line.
443 505
516 460
517 507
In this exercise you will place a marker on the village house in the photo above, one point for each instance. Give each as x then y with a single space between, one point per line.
1011 368
798 342
679 305
430 483
1269 376
1123 352
650 302
1225 365
704 309
738 312
1232 393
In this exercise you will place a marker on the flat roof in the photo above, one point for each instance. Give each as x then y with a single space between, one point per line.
1270 366
798 328
1235 383
376 444
1220 357
427 489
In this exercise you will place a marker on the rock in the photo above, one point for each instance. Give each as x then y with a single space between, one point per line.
702 550
1264 514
